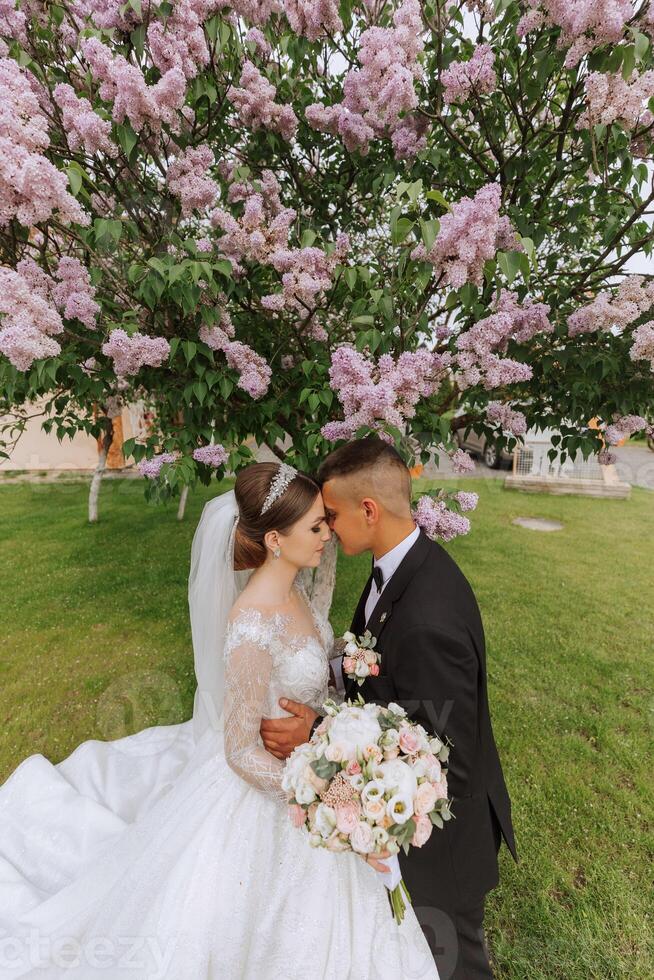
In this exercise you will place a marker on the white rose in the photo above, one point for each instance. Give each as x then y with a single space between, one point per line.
295 766
399 777
400 808
361 669
361 838
351 649
334 753
325 820
420 768
348 637
305 794
396 709
370 657
354 729
390 739
435 745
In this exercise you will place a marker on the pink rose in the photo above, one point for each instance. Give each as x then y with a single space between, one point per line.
372 753
441 788
370 657
349 664
425 799
323 727
347 817
361 838
353 768
374 669
409 741
374 810
297 814
433 767
423 831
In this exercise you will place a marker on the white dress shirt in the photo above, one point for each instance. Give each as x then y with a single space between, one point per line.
388 564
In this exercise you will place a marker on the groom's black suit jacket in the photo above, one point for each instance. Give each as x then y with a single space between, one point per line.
433 663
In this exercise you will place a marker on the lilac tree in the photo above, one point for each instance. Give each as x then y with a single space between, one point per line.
312 220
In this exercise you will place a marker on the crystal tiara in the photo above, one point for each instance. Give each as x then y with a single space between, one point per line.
279 485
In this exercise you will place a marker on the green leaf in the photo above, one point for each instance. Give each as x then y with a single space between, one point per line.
438 197
126 137
189 347
429 231
74 178
351 277
641 44
628 61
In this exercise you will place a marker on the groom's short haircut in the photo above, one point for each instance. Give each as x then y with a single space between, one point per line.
370 467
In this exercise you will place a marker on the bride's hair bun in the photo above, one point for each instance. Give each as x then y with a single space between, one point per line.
251 489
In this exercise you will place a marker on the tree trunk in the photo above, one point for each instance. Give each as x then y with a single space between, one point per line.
182 503
94 490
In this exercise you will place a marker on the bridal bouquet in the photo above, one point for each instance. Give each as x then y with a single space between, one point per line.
370 780
360 659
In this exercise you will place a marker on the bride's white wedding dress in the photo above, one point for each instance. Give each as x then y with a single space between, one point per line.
170 854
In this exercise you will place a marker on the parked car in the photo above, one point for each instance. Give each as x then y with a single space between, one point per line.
478 445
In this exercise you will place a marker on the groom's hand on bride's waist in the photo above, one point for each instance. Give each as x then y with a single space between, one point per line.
281 735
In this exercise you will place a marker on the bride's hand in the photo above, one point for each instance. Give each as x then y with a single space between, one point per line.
281 735
376 860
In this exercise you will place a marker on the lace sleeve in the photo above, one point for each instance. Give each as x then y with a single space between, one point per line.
248 666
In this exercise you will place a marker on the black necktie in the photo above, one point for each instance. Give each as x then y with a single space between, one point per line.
378 576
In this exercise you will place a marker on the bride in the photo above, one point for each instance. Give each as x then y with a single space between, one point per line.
169 853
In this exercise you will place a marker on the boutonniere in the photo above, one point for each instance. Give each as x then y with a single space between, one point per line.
360 659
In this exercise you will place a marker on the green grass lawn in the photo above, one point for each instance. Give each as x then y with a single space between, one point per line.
96 643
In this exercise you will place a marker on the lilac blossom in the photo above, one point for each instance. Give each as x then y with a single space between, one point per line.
438 521
131 353
213 455
476 75
254 100
151 468
188 179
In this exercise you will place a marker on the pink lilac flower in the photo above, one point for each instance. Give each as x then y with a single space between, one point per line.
585 25
124 85
254 373
476 75
131 353
469 234
257 11
479 346
213 455
12 21
462 462
151 468
28 321
74 294
438 521
387 392
382 92
313 18
605 458
633 297
410 137
612 99
31 188
262 45
624 426
509 420
254 100
83 126
466 501
189 181
306 274
643 343
180 42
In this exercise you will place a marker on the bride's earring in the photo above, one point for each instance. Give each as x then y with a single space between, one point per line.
277 552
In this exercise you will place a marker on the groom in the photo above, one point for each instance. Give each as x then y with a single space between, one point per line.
423 612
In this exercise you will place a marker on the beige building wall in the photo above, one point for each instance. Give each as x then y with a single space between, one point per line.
38 450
